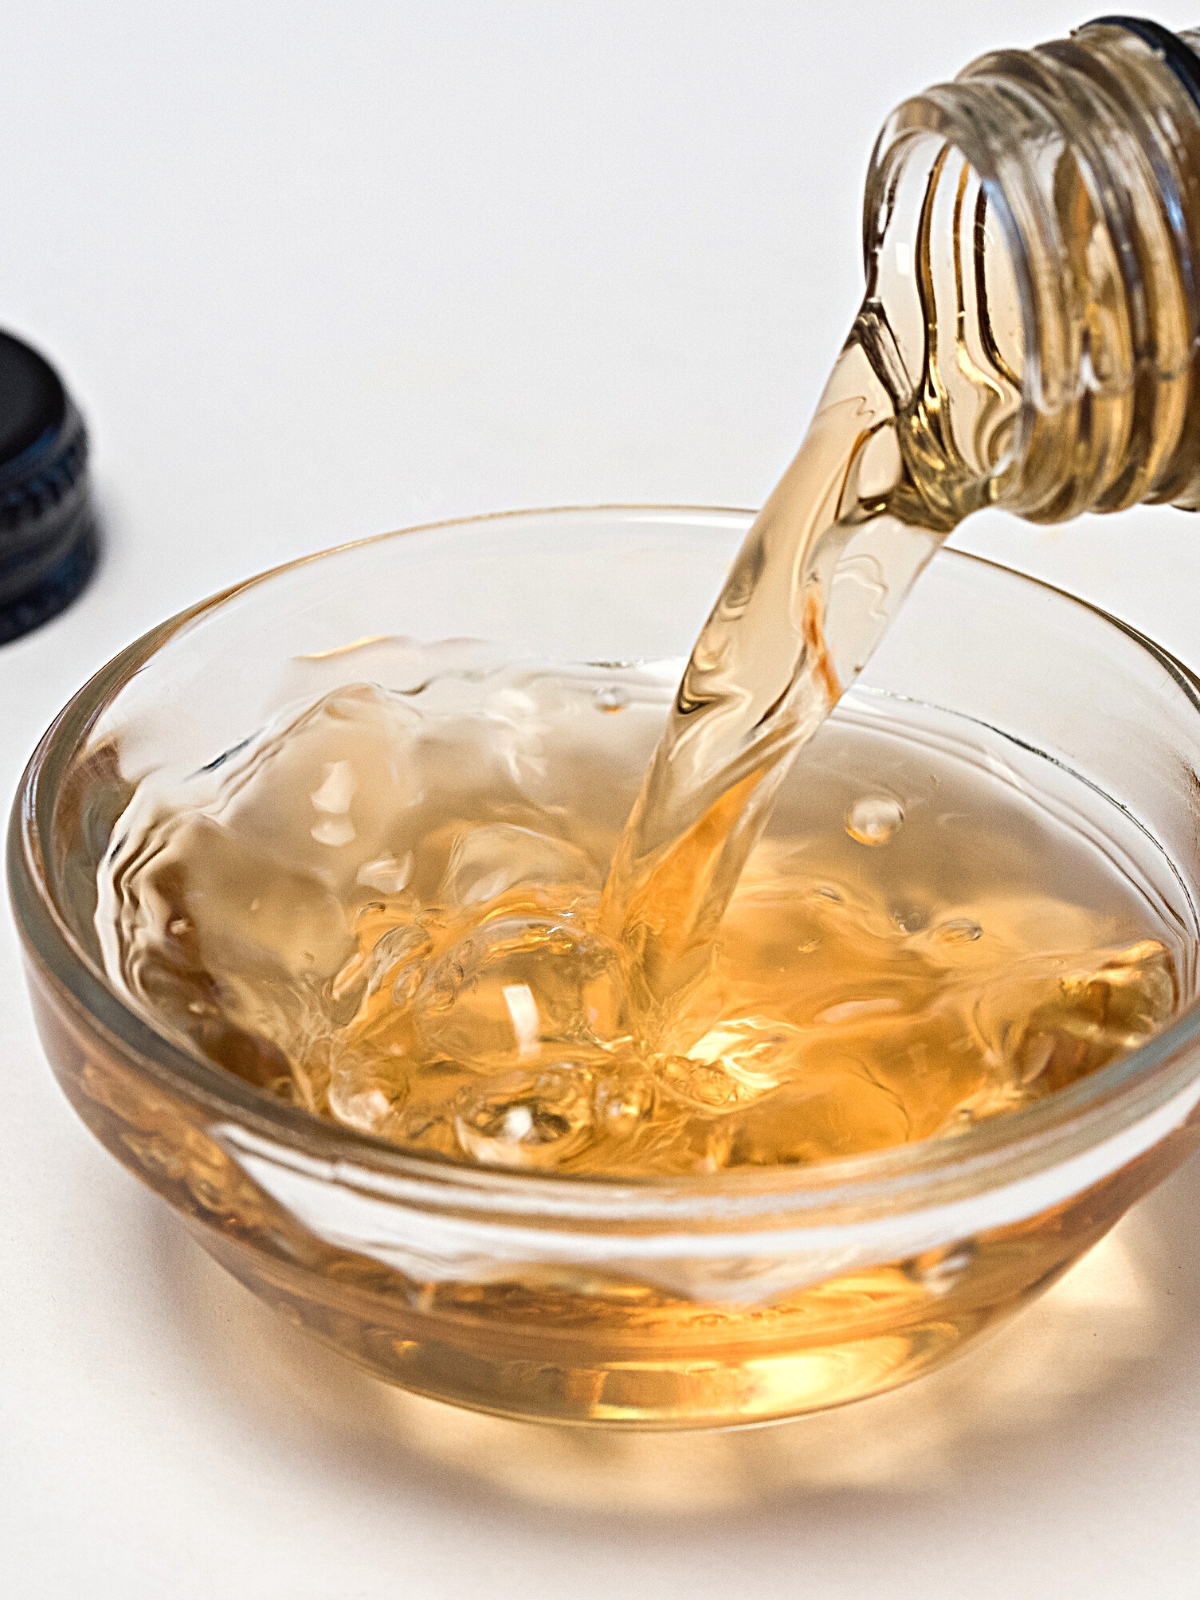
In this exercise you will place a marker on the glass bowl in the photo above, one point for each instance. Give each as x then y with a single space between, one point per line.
702 1301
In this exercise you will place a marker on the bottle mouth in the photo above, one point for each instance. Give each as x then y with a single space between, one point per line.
1081 1132
1084 150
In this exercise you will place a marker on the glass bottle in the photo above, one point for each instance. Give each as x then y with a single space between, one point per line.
1039 220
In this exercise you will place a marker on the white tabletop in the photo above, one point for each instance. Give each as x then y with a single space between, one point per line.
316 271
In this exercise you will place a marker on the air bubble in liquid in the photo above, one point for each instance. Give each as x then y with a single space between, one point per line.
874 819
611 698
528 1120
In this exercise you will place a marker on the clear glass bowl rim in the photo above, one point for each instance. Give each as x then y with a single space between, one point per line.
835 1192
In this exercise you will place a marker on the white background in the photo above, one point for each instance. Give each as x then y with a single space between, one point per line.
315 272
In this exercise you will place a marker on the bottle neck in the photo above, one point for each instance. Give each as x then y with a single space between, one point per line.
1032 236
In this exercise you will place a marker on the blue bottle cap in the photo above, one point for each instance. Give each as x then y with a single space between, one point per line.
48 541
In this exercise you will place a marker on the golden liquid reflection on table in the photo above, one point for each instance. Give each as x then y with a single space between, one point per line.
1104 1347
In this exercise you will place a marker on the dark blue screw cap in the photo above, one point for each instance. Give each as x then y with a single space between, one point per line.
48 540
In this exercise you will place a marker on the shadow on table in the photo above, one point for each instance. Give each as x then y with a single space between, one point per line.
1112 1348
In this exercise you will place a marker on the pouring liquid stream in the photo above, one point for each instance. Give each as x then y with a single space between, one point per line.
382 908
878 483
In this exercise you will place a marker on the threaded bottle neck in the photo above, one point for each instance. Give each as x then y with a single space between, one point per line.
1032 233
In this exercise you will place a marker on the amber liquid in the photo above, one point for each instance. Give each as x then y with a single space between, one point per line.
914 945
389 909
